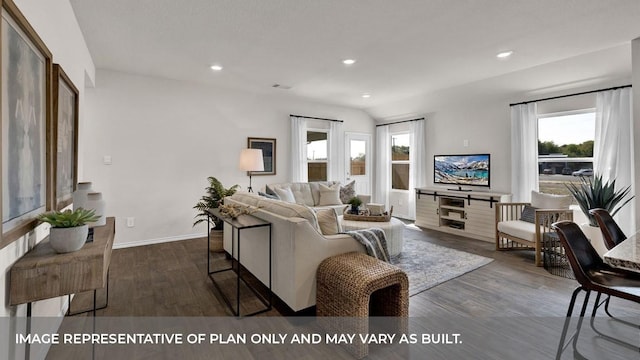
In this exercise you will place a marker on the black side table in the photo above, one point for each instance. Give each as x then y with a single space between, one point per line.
554 259
242 222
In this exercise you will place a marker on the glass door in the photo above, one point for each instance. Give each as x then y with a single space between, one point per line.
358 161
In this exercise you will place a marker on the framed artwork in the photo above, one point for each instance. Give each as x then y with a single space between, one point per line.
26 118
65 137
268 147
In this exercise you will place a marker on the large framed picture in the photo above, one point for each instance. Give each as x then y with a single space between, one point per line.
65 137
268 147
26 117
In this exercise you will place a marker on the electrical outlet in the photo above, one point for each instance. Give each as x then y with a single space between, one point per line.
399 201
131 222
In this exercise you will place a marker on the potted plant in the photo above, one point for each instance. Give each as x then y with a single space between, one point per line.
355 203
598 194
215 193
69 229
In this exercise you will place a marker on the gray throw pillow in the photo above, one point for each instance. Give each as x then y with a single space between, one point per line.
348 192
528 214
268 196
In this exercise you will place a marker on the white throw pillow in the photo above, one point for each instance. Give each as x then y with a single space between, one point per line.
330 195
550 201
328 222
285 194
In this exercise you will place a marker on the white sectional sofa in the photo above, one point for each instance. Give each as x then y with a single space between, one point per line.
298 245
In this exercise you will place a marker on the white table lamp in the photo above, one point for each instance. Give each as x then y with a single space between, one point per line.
251 160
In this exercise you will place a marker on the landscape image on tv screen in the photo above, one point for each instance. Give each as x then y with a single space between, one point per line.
462 169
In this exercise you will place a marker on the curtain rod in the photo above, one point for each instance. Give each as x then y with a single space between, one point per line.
316 118
564 96
399 122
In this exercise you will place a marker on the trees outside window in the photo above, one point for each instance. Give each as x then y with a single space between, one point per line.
565 149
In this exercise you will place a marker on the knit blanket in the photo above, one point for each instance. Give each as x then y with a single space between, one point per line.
374 241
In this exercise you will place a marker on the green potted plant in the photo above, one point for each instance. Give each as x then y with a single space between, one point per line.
598 194
355 203
215 193
69 228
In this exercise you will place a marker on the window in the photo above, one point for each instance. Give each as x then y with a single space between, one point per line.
358 159
400 161
565 149
317 155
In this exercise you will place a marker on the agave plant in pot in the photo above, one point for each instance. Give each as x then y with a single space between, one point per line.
598 194
69 228
214 195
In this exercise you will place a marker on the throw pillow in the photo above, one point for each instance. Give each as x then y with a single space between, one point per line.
347 192
330 195
528 214
550 201
328 222
268 196
285 194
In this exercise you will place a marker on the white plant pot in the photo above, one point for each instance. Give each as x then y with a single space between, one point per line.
80 195
64 240
95 202
594 235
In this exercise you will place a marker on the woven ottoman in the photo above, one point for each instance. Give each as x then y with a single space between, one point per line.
354 284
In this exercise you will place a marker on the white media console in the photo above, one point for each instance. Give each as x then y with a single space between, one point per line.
465 213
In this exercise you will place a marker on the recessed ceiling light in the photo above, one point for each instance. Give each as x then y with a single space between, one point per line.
366 96
216 67
504 54
349 61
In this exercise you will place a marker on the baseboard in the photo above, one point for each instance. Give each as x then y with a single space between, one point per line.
158 240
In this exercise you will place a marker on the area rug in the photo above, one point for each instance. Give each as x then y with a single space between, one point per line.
428 265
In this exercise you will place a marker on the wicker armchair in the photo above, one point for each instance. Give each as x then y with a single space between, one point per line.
513 233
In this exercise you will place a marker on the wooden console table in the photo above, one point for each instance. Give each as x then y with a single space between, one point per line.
42 273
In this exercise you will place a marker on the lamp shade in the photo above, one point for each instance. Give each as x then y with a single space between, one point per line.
251 160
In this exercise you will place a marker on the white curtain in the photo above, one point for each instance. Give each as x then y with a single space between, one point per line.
336 152
524 151
613 147
417 162
298 149
383 166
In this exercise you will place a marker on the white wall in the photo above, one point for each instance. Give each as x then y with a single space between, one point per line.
56 24
165 137
450 120
468 113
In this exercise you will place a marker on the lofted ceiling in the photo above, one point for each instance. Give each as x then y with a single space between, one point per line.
404 48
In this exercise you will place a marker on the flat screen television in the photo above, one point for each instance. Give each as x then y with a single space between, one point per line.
462 170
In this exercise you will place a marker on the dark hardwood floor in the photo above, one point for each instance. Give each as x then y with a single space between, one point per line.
522 305
170 280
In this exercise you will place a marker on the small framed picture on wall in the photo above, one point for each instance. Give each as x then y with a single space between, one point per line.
268 147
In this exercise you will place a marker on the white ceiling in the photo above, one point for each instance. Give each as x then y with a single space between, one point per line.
404 48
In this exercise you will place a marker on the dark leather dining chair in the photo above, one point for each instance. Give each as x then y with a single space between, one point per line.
611 232
593 275
612 235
